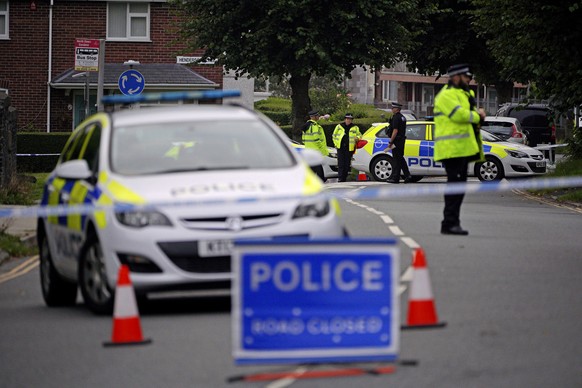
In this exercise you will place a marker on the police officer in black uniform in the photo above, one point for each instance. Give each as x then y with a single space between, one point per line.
397 133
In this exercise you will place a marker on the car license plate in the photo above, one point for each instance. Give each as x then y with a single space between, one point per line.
540 164
213 248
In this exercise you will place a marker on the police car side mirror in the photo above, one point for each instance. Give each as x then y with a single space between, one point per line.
74 169
312 157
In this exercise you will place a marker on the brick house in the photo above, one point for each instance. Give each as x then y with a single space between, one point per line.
37 40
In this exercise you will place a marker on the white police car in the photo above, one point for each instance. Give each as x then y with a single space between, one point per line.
189 180
503 159
330 169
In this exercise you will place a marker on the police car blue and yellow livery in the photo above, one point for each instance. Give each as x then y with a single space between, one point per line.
502 159
153 165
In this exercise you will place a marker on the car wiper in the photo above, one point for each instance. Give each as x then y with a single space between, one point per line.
204 168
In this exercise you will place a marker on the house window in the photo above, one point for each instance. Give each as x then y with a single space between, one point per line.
128 21
389 90
3 19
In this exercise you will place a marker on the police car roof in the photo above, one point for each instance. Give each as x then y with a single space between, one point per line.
169 114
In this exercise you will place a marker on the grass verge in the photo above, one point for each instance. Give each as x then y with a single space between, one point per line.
24 190
14 247
566 167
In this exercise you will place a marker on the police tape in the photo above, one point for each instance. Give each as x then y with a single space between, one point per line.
38 154
375 192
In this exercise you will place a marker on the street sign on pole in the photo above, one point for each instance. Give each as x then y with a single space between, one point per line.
315 301
131 82
87 54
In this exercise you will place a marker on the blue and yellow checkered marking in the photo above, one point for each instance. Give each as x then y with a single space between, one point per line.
426 148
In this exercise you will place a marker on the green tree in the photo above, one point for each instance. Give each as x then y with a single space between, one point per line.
300 38
451 37
537 41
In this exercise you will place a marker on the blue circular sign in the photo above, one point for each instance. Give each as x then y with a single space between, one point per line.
131 82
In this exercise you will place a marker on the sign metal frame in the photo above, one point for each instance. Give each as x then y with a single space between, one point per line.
356 251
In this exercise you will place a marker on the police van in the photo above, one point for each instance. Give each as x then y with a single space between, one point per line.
503 159
165 191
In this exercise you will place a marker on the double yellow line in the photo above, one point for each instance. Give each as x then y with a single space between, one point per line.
20 270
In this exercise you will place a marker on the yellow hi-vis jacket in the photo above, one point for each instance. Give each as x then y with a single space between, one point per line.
314 138
454 135
340 131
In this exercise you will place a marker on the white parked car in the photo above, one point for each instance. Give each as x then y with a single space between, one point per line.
218 156
329 165
506 128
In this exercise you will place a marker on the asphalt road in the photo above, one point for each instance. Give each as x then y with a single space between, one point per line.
509 292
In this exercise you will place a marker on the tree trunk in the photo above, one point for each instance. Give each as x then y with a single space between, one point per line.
504 91
299 101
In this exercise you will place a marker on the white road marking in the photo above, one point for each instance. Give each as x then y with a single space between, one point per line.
396 230
407 275
376 212
286 381
387 219
410 242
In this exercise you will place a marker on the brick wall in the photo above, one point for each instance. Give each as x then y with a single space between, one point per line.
24 63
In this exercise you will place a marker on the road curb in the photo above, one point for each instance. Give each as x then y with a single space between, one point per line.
550 201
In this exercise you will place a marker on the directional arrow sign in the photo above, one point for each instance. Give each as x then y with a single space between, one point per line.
131 82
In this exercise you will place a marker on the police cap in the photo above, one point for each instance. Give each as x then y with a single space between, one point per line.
462 68
396 105
313 112
349 116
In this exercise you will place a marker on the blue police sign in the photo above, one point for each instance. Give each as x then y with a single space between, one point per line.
131 82
315 301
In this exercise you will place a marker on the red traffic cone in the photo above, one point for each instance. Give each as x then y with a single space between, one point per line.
126 324
421 307
362 176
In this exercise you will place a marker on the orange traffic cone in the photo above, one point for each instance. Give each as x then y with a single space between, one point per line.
126 324
421 307
362 176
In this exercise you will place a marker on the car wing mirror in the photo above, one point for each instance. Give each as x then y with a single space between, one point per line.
74 169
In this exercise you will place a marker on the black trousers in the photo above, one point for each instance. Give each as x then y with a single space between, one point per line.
456 172
398 161
319 171
344 162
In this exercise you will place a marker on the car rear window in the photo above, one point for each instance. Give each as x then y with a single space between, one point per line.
531 117
498 127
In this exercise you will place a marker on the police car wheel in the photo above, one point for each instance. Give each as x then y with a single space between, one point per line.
93 278
490 170
56 291
381 168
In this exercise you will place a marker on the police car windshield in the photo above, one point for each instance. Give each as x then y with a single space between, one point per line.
169 147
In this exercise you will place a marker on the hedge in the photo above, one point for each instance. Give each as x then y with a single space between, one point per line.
39 143
281 118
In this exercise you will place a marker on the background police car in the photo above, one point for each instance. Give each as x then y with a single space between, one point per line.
183 155
503 159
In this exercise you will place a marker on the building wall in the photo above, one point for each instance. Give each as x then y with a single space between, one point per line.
24 58
246 87
24 62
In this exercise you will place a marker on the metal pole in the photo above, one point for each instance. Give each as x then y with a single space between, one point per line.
87 107
101 75
50 69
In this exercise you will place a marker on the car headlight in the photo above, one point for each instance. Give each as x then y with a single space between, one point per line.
141 219
316 209
332 154
517 154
